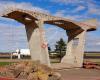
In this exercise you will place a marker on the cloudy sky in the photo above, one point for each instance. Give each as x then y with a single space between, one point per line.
12 33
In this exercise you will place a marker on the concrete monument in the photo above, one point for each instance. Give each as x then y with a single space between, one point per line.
34 21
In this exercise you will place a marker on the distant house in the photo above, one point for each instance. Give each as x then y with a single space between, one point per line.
25 52
21 54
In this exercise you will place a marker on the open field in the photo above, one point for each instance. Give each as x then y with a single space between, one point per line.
97 61
93 57
92 54
5 63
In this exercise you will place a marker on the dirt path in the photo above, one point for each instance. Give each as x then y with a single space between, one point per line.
5 78
80 74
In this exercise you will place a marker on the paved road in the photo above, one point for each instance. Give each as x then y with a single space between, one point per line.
80 74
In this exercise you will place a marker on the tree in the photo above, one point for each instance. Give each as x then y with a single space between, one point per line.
49 49
60 48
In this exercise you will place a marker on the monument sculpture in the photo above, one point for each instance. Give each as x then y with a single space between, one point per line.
34 21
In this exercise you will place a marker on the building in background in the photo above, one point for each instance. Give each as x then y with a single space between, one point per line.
25 52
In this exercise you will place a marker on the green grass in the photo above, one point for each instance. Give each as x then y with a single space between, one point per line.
5 63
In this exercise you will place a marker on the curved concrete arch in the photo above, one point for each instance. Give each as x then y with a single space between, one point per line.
58 21
34 21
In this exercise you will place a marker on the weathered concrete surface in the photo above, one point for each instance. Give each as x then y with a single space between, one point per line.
75 49
36 41
69 57
60 66
79 49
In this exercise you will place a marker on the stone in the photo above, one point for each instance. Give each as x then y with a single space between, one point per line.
91 65
55 76
23 75
30 70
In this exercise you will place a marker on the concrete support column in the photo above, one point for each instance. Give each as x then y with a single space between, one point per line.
79 49
75 50
43 44
69 57
38 48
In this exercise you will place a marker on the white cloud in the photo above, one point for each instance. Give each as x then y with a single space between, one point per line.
92 41
12 37
79 8
23 5
98 24
60 13
98 43
93 9
68 1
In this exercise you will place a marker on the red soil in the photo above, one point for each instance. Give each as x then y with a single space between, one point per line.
1 78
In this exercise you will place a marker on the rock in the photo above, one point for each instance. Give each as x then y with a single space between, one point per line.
97 67
23 75
30 70
55 76
32 76
91 65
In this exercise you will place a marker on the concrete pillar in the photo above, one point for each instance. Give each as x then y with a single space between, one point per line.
37 44
44 46
75 50
69 57
78 50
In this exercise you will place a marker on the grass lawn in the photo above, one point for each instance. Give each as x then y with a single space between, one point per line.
5 63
